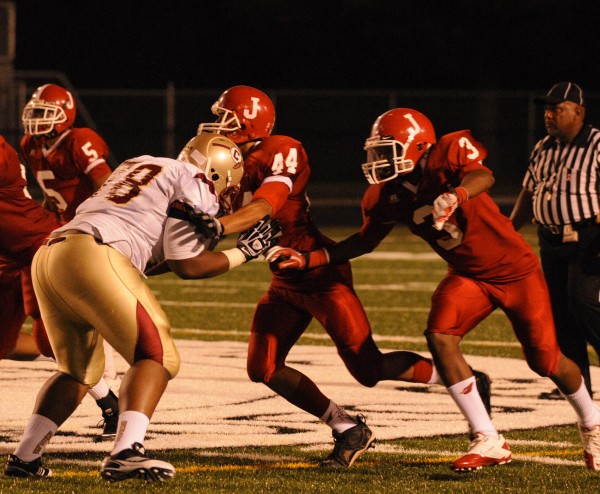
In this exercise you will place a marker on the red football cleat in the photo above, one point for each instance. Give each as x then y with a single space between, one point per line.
484 451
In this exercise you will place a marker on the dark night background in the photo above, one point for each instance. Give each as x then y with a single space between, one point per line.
330 65
485 44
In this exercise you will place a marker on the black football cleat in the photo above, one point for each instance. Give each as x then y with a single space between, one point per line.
15 467
349 445
132 463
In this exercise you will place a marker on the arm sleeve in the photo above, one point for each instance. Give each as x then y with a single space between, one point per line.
275 193
90 153
374 229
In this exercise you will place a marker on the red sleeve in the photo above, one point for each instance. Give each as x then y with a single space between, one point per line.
90 153
375 225
464 154
373 231
10 170
23 222
275 193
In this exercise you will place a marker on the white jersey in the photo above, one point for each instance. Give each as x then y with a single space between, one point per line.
129 212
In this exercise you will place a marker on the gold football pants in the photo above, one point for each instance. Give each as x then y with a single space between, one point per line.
87 292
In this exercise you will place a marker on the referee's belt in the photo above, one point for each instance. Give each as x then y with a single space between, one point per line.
560 229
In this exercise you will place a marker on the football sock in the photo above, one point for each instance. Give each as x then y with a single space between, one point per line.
435 376
100 390
581 401
38 432
469 402
131 429
337 418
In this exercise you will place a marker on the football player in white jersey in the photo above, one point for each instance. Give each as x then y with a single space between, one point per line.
89 280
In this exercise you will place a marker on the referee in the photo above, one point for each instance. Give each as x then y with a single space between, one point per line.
561 188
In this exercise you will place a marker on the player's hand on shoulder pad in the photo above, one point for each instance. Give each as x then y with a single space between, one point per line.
286 258
443 207
259 238
206 225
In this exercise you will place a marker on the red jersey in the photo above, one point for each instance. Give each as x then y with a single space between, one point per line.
477 241
283 159
66 170
23 222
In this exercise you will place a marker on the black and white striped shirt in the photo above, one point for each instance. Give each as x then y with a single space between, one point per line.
564 178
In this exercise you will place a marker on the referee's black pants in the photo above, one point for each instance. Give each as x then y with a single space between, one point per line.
572 271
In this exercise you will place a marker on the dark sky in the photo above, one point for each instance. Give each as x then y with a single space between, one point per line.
480 44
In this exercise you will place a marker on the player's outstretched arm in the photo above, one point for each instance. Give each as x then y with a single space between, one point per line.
251 243
288 258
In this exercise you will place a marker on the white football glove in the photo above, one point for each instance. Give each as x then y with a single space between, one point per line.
443 207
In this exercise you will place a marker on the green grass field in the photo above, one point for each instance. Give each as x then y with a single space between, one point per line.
396 296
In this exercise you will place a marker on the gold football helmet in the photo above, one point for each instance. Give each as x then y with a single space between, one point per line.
221 162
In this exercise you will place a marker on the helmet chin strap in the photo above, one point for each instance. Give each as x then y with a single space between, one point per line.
414 177
46 137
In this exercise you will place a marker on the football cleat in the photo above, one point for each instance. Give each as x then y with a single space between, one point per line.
484 451
349 445
590 437
132 463
15 467
555 394
109 427
110 417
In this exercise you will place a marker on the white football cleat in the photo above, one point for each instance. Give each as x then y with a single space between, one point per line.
484 451
590 437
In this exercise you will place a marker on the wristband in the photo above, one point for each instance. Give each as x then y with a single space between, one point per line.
462 194
235 256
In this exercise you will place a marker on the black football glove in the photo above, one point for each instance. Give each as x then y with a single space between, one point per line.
259 238
206 225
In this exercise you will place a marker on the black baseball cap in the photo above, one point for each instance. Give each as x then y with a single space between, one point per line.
563 91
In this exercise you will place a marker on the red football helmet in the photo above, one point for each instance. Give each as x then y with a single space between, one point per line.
398 139
50 111
245 114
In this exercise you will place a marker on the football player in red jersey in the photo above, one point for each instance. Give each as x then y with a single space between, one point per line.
276 174
24 225
439 189
68 163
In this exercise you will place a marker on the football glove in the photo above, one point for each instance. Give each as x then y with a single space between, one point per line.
206 225
259 238
288 258
446 204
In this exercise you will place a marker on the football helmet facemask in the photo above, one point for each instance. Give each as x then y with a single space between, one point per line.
244 114
398 140
220 160
50 111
